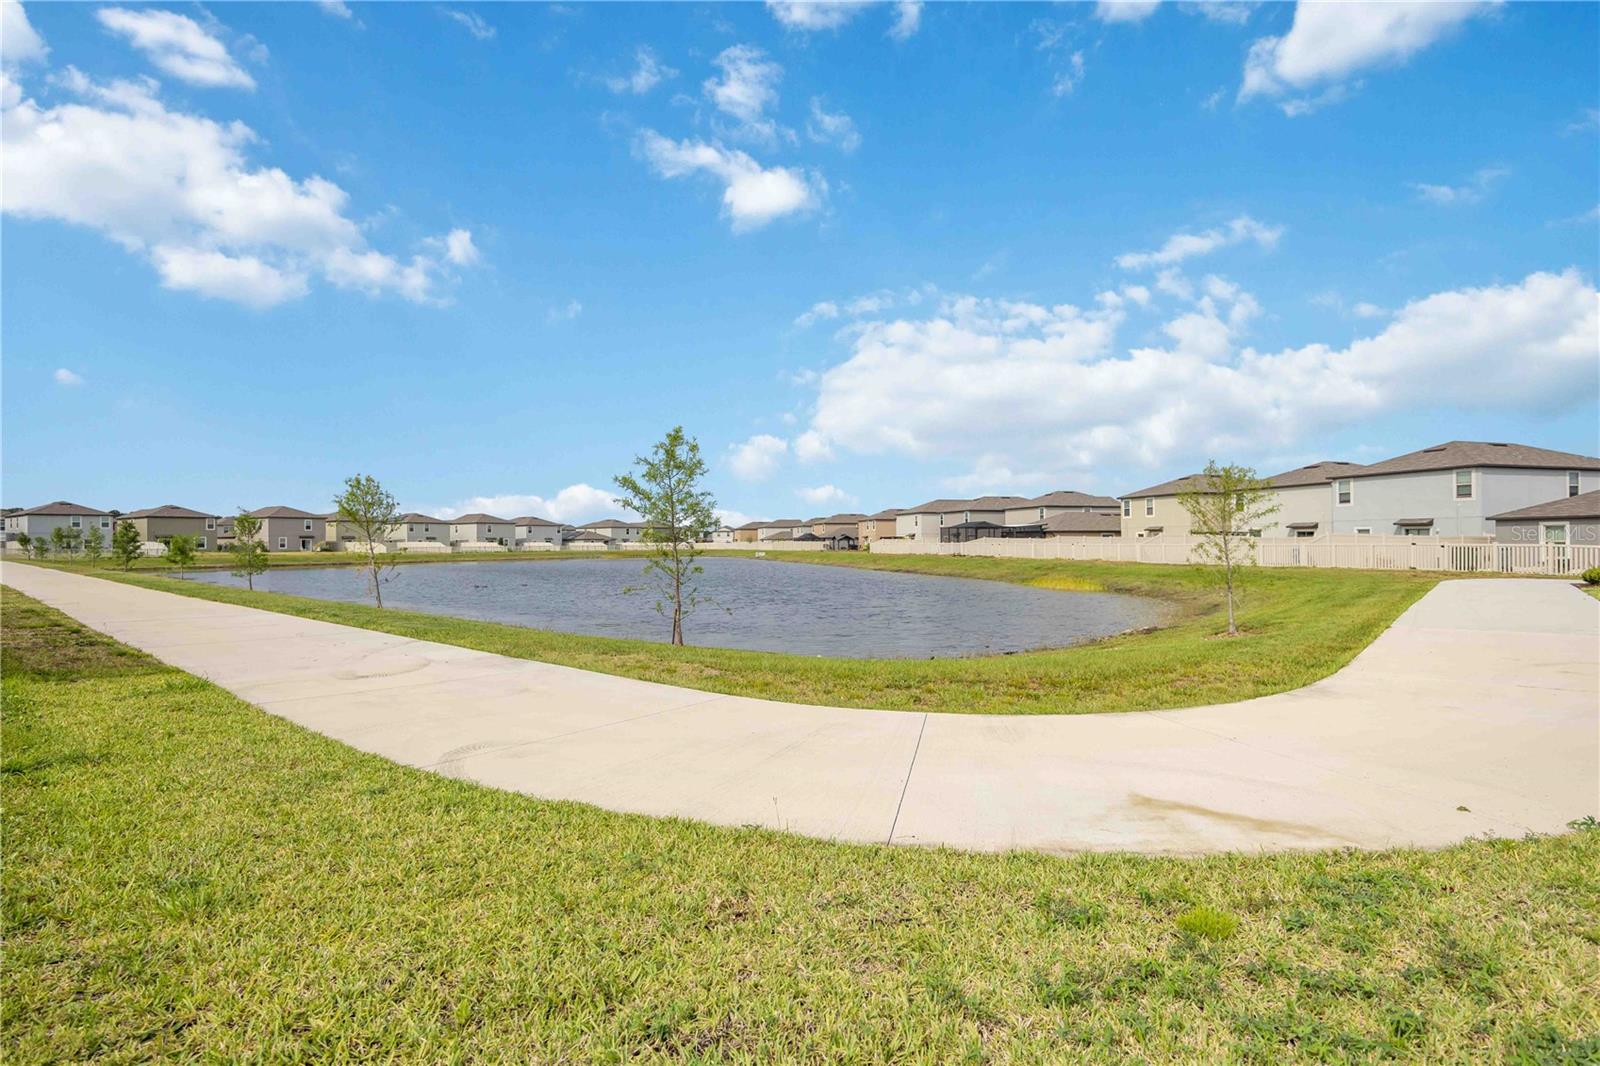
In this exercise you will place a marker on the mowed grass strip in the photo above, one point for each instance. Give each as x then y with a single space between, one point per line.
187 877
1299 626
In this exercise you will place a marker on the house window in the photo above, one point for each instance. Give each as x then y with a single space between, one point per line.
283 543
200 542
211 523
1343 491
77 521
1463 484
1149 506
1127 508
1572 483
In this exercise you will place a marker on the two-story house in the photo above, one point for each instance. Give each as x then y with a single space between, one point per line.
38 522
161 524
289 529
1455 489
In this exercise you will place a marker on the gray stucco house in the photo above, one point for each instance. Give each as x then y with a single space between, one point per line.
1569 520
1454 489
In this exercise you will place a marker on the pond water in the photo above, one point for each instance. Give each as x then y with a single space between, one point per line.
761 605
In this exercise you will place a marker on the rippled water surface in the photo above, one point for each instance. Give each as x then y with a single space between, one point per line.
760 604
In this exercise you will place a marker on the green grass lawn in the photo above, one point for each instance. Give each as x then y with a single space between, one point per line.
187 877
1300 625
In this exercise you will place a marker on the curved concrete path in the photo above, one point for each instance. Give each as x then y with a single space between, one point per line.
1476 713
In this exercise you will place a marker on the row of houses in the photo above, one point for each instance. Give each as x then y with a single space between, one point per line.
291 529
1459 489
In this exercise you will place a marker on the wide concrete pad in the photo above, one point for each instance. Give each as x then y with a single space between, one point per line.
1477 713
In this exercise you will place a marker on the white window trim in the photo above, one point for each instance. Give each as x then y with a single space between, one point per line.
1351 501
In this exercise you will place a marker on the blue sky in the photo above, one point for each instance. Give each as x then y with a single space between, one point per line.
867 254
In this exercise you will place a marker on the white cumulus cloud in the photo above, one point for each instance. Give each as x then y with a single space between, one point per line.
177 45
1330 42
1181 246
752 195
1047 387
757 458
180 190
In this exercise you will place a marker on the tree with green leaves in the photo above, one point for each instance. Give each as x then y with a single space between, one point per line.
249 554
1227 505
664 490
180 553
126 547
372 515
94 544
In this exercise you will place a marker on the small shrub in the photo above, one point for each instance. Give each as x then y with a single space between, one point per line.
1591 576
1208 923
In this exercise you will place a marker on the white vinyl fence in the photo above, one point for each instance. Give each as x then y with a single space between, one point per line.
1346 551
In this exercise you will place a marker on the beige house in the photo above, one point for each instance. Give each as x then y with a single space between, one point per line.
479 528
929 520
161 524
286 529
876 526
531 530
415 528
1053 503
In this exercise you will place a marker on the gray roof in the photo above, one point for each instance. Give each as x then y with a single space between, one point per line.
282 512
1469 453
168 510
59 508
1083 522
1071 498
981 503
478 518
1316 473
1583 505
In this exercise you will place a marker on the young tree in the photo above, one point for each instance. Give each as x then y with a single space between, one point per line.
1225 503
180 553
249 554
665 492
373 514
126 547
94 544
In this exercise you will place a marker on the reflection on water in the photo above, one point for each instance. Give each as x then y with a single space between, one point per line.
759 604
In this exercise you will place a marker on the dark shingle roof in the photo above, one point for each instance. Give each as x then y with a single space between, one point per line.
1467 453
61 507
1316 473
1071 498
167 510
1583 505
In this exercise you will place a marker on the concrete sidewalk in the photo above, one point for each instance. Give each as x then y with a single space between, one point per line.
1478 712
